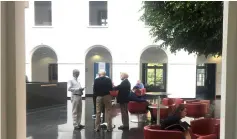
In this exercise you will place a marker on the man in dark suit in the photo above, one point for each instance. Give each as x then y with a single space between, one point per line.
102 87
123 98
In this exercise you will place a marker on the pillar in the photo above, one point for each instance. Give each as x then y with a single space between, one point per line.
12 71
229 72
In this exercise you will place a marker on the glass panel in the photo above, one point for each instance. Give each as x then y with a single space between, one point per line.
200 77
155 64
43 13
150 76
98 13
159 78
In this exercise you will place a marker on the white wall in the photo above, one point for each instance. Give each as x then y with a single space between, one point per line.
40 69
125 37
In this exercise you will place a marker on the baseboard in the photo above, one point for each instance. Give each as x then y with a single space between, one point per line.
218 96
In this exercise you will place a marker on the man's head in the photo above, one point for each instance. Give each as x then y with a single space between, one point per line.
123 75
102 74
138 81
76 73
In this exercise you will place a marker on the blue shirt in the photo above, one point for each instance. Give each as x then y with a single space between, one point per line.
140 85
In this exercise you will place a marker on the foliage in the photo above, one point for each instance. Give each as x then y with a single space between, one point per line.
195 26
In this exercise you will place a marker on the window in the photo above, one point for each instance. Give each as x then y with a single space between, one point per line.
98 13
43 13
201 75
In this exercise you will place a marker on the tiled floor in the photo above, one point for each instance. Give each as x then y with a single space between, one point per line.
57 124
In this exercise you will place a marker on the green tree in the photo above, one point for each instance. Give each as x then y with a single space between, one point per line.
195 26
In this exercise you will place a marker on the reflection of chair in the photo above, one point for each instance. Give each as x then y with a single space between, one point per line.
207 126
154 132
196 110
137 108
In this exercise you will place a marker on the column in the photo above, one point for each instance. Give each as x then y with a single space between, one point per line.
229 72
12 71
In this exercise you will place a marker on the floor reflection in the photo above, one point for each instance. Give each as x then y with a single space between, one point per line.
57 124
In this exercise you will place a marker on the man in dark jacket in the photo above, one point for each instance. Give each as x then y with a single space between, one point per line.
102 87
123 98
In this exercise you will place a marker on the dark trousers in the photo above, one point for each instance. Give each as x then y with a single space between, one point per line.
103 108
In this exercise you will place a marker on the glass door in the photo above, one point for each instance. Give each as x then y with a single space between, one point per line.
154 76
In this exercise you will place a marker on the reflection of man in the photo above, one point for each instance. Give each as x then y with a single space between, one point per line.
101 88
77 92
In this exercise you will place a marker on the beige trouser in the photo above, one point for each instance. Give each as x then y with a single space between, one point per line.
106 100
76 109
124 114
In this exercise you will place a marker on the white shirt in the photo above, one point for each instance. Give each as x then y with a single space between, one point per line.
74 87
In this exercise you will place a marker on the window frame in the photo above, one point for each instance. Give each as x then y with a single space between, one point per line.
34 19
98 26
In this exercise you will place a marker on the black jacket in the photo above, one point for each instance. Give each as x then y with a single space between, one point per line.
102 86
124 90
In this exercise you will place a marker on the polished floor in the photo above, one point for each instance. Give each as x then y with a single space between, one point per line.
56 123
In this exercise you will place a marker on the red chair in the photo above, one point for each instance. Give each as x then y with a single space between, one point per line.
191 101
196 110
164 113
154 132
143 90
204 127
212 136
114 93
168 101
178 101
137 108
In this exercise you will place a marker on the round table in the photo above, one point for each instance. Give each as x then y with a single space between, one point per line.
158 94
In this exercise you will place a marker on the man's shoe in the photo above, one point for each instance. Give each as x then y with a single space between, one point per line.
81 126
109 130
123 128
94 116
97 130
77 128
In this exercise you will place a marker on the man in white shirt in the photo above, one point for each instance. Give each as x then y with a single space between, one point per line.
77 91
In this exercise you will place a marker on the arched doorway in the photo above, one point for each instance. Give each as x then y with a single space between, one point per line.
44 65
153 69
97 58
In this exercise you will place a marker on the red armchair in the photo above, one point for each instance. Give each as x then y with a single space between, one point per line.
191 101
168 101
154 132
114 93
204 127
137 108
212 136
196 110
143 91
178 101
164 113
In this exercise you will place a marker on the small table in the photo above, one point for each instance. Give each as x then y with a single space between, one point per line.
158 94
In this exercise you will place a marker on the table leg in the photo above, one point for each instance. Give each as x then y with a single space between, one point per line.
158 111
